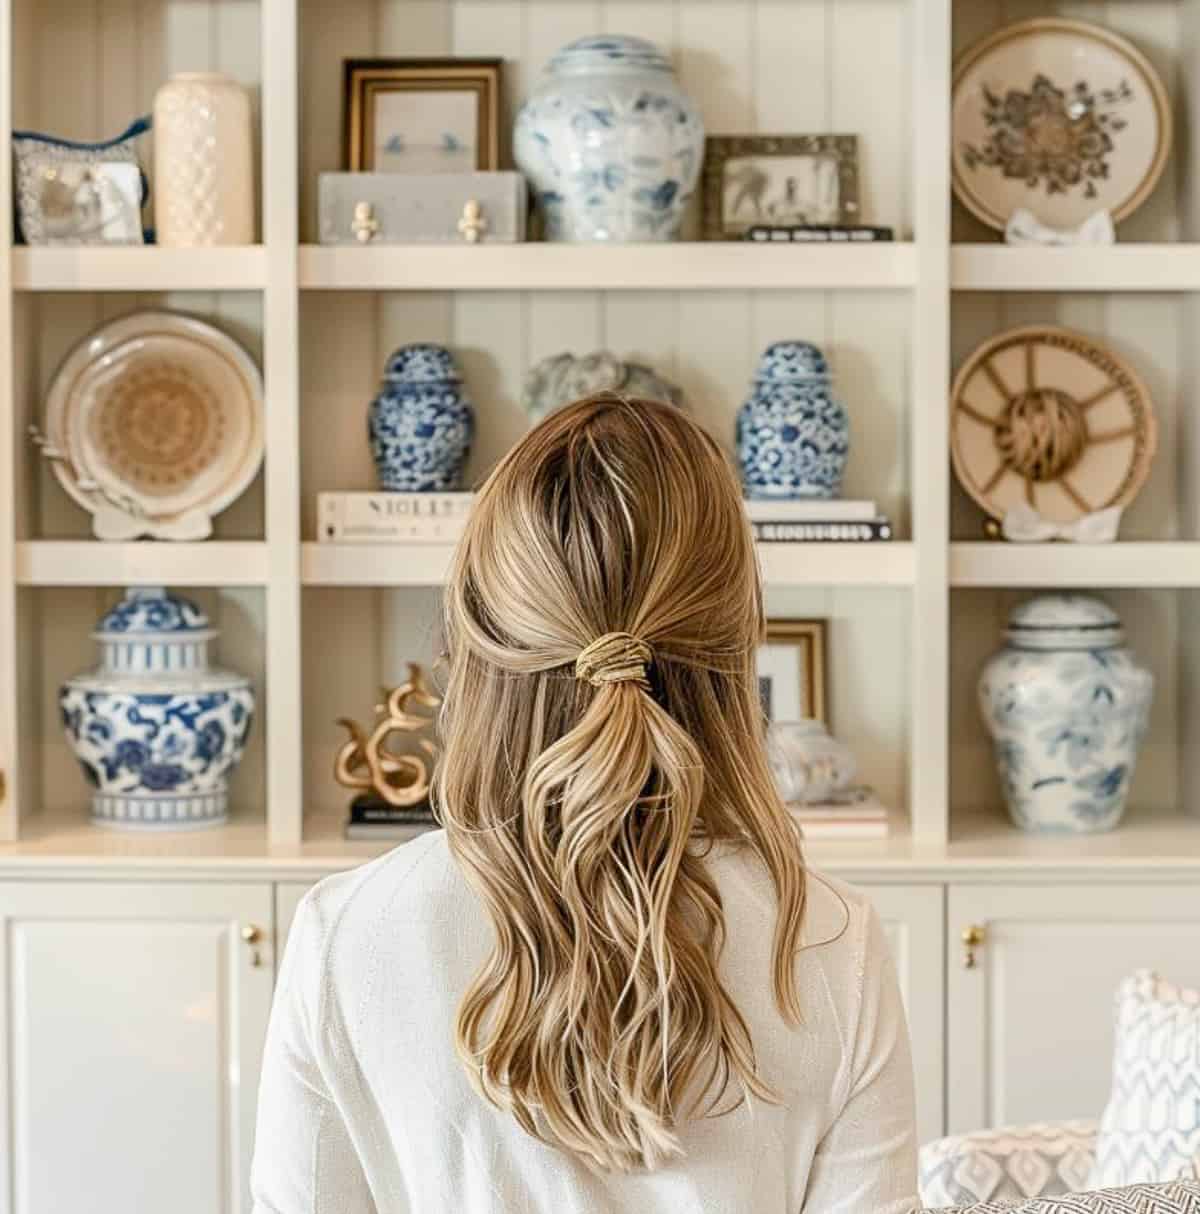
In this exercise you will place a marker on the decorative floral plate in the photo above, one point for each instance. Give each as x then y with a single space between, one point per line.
1046 417
1059 117
155 424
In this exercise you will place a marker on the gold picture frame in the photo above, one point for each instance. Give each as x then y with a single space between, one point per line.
732 205
806 697
463 137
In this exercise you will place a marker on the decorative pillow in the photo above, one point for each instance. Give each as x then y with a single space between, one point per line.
1014 1162
1179 1197
1151 1127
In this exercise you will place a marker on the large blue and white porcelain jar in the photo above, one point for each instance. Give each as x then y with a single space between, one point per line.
156 730
610 143
1067 707
793 437
421 424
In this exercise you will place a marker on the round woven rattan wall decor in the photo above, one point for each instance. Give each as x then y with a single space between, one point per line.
1047 417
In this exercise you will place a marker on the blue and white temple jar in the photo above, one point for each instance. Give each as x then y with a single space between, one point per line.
1067 707
793 438
610 143
421 423
156 730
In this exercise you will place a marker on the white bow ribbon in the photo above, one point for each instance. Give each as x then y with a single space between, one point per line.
1024 228
1023 525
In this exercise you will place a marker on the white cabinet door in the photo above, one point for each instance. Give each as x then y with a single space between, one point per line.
1030 1025
287 899
131 1035
913 919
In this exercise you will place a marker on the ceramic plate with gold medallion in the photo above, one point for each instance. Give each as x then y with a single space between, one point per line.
1060 117
161 418
1046 417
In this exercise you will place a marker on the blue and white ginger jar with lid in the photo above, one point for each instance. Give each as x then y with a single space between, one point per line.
1067 707
421 424
156 730
793 437
610 143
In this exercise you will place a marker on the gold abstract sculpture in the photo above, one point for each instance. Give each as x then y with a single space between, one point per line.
382 775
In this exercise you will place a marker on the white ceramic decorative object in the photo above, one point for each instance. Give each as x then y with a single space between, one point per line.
203 162
610 143
155 729
1060 118
559 379
154 424
1067 707
808 764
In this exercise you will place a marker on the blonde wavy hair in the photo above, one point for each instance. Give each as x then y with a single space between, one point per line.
601 726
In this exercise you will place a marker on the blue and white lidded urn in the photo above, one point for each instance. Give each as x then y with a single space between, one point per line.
1067 707
421 423
793 438
156 730
610 143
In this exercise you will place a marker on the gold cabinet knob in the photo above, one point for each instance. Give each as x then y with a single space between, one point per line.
252 934
973 937
3 787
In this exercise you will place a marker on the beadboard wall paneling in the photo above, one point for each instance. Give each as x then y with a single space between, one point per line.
1160 631
1159 29
774 66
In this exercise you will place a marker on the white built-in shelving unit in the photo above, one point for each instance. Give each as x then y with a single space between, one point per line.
319 627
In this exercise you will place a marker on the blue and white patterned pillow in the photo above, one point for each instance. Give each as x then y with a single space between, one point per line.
1150 1130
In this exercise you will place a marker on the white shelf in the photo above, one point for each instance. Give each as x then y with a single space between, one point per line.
566 267
995 563
148 563
1128 267
140 268
884 564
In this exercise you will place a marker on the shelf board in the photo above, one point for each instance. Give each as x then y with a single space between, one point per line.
1144 839
145 563
1119 267
884 564
1129 563
140 268
679 266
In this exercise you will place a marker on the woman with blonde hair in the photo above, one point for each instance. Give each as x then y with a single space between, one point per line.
609 983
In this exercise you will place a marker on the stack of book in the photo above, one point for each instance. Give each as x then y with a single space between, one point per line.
807 521
857 815
828 233
392 518
375 819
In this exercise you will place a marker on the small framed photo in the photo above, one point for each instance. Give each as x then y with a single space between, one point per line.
422 115
778 180
791 670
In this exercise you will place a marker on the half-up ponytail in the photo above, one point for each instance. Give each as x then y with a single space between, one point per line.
600 722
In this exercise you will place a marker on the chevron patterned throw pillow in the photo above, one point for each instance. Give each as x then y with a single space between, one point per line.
1179 1197
1151 1128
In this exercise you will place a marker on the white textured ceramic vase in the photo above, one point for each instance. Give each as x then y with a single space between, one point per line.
203 162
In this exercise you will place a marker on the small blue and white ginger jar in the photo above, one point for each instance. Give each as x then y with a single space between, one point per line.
421 424
793 437
610 143
1067 707
156 730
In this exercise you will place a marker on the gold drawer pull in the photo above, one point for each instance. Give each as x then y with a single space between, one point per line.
973 937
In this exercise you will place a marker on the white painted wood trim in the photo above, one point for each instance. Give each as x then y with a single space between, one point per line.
147 268
930 704
1119 267
281 358
10 754
884 564
567 267
1168 564
93 563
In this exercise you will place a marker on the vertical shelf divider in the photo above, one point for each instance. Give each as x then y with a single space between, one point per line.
10 751
929 785
281 358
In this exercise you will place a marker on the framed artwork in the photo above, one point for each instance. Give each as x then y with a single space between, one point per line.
422 115
791 670
778 180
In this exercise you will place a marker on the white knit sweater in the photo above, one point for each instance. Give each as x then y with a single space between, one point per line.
364 1106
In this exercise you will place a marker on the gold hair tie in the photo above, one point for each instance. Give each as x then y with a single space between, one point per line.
616 657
